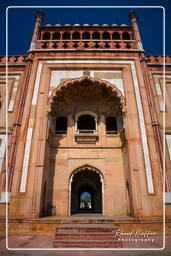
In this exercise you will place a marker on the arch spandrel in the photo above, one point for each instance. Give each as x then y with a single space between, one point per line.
87 80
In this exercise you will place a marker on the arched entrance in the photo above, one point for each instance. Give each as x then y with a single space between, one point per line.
86 191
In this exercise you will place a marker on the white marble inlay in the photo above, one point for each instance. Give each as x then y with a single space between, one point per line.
26 160
115 81
158 89
14 90
162 106
5 197
168 197
56 76
36 86
168 139
118 83
2 149
11 105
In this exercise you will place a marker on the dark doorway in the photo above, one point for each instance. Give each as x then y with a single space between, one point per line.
86 192
86 123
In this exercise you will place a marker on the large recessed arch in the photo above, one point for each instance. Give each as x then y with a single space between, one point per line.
87 81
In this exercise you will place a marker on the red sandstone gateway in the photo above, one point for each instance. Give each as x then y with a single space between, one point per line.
85 130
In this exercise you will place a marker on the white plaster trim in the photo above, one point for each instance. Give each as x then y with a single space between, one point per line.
2 149
168 139
168 197
139 106
26 160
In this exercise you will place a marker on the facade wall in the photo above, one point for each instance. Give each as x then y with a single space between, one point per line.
41 163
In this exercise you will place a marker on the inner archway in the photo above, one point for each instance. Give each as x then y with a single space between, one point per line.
86 191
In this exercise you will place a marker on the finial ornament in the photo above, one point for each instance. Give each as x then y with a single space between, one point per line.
39 15
132 16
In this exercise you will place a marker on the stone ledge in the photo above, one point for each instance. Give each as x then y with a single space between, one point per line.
86 138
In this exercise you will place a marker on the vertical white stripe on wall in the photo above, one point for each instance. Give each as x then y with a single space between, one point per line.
162 106
158 89
168 139
143 132
14 90
29 134
26 160
11 105
2 149
36 87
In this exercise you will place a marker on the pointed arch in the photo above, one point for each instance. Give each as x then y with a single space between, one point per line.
89 81
86 178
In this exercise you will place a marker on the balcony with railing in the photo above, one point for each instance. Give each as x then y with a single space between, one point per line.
78 37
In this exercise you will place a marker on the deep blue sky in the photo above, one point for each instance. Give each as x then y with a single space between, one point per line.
21 21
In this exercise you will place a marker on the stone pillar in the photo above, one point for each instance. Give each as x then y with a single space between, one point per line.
39 19
39 168
102 128
133 20
17 124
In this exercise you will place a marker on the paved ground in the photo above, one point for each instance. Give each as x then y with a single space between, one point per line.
46 242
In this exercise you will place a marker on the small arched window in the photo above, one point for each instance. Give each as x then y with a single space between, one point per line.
111 125
116 36
86 35
66 36
61 125
76 35
46 36
56 35
86 124
96 35
106 35
126 36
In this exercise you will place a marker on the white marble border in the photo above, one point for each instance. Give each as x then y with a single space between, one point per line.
14 89
148 170
36 87
168 139
26 160
2 149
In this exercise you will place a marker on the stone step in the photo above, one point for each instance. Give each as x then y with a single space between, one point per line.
81 235
87 244
83 228
85 236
